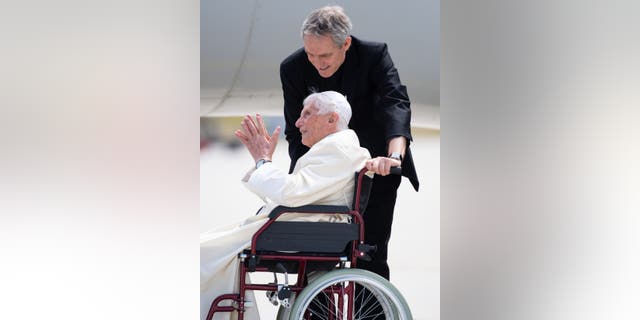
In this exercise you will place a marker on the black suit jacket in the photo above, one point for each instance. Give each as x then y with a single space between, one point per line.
379 102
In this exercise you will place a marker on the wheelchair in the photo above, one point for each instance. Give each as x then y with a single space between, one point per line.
289 247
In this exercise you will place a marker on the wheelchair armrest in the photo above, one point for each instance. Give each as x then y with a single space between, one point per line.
312 208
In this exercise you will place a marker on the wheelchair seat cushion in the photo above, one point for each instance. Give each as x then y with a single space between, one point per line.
320 237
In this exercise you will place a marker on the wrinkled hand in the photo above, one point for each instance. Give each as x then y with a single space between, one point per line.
382 165
254 136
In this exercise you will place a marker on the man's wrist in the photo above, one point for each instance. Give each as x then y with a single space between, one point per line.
260 162
395 155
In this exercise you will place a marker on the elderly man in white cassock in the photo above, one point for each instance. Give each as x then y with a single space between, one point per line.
323 176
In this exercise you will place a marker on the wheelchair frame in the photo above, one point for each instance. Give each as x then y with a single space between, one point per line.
353 248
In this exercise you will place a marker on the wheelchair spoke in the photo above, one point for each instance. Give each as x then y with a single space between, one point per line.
350 294
327 305
333 303
366 308
319 307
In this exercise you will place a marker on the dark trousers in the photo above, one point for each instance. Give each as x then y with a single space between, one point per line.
378 218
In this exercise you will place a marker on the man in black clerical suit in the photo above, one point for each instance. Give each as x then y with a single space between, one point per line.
363 71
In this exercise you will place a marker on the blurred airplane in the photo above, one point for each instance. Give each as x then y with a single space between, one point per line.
244 41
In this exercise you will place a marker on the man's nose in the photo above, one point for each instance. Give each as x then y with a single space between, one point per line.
318 62
298 123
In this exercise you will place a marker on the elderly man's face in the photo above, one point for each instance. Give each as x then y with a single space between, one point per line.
313 126
324 55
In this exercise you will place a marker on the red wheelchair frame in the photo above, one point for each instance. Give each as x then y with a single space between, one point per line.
251 259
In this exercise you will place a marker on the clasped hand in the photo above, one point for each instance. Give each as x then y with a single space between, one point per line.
382 165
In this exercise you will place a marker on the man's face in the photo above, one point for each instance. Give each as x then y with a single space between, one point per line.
323 53
313 126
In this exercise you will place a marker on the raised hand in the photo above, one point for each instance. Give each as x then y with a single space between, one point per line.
254 136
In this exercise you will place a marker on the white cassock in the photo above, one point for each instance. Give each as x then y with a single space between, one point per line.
323 176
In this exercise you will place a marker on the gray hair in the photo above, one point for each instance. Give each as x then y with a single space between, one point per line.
329 20
331 101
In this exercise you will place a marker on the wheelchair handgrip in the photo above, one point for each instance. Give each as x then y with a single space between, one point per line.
396 170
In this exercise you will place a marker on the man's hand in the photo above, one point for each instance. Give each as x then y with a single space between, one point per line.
254 136
382 165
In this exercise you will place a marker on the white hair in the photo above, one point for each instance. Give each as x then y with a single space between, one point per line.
331 101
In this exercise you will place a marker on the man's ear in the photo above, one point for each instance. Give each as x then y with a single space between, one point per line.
347 43
334 117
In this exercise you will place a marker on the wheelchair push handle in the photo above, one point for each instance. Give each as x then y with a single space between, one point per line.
393 170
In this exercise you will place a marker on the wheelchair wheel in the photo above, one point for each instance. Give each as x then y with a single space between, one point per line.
350 294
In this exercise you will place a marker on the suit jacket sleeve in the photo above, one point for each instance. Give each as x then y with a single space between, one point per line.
393 109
